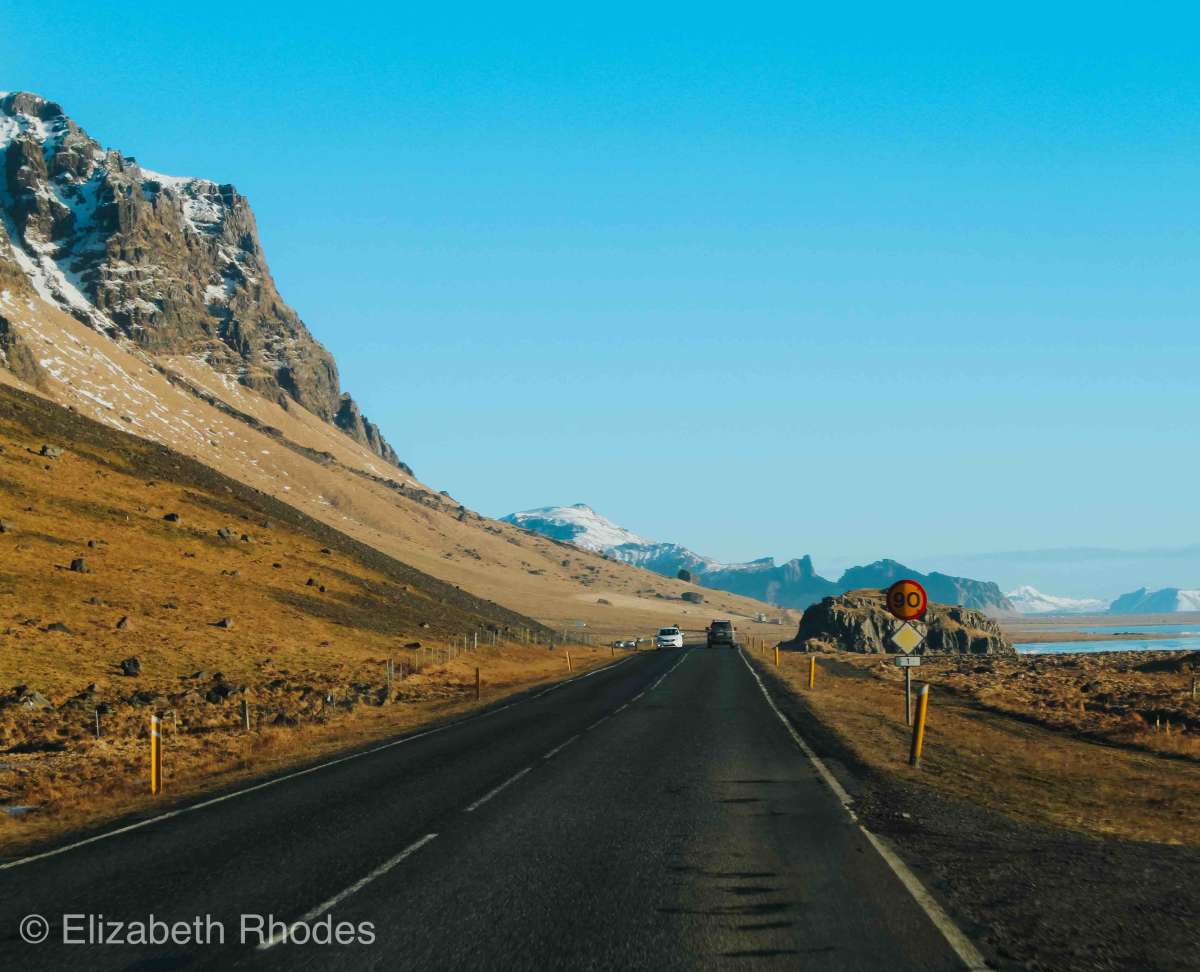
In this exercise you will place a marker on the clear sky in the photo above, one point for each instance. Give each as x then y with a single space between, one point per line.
854 280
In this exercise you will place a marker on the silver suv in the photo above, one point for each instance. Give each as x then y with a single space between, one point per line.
721 635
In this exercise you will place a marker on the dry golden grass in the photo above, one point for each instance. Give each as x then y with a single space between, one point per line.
1043 771
309 658
95 780
356 493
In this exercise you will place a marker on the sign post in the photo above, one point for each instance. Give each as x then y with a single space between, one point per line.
907 601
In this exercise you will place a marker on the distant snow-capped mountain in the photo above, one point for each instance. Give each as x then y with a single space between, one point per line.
578 524
1029 600
1168 600
794 584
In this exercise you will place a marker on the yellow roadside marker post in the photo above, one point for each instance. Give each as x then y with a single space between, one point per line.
477 685
155 755
777 656
812 671
918 738
569 668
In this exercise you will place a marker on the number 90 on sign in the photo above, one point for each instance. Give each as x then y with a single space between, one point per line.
907 600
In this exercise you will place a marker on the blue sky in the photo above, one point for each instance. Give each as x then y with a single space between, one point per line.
849 280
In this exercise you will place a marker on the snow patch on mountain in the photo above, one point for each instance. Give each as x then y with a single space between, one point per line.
1168 600
578 524
1029 600
794 584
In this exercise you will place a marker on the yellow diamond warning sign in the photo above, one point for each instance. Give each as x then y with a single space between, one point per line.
907 639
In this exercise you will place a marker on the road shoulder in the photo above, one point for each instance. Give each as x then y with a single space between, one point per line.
1029 896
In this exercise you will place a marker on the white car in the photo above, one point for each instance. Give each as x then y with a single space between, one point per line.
669 638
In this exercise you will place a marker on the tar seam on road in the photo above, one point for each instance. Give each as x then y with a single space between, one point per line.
491 793
560 747
963 947
298 773
343 895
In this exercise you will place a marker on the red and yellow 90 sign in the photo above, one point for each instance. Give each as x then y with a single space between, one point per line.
907 600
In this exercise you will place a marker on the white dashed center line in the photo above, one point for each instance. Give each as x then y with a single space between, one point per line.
342 896
558 749
491 793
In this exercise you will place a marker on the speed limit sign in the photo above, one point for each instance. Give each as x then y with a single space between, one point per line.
907 600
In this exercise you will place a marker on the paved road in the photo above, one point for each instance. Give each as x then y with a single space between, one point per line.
653 815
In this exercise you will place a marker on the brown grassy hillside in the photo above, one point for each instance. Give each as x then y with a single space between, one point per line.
292 454
220 593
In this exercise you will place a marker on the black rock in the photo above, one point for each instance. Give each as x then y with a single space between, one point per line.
51 452
218 693
131 667
172 517
79 566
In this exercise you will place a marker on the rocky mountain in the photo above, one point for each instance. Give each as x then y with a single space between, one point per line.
942 588
859 621
169 266
1168 600
795 584
1029 600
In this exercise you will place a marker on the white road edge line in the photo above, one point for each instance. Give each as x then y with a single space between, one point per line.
298 773
597 722
963 947
491 793
559 748
342 896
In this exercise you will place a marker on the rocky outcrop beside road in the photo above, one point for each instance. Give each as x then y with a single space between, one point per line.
858 621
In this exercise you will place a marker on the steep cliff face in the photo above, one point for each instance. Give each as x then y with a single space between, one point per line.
858 621
172 265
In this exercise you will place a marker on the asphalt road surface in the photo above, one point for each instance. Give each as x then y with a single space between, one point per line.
655 814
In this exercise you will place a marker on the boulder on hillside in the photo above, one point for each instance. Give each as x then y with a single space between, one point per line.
858 621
